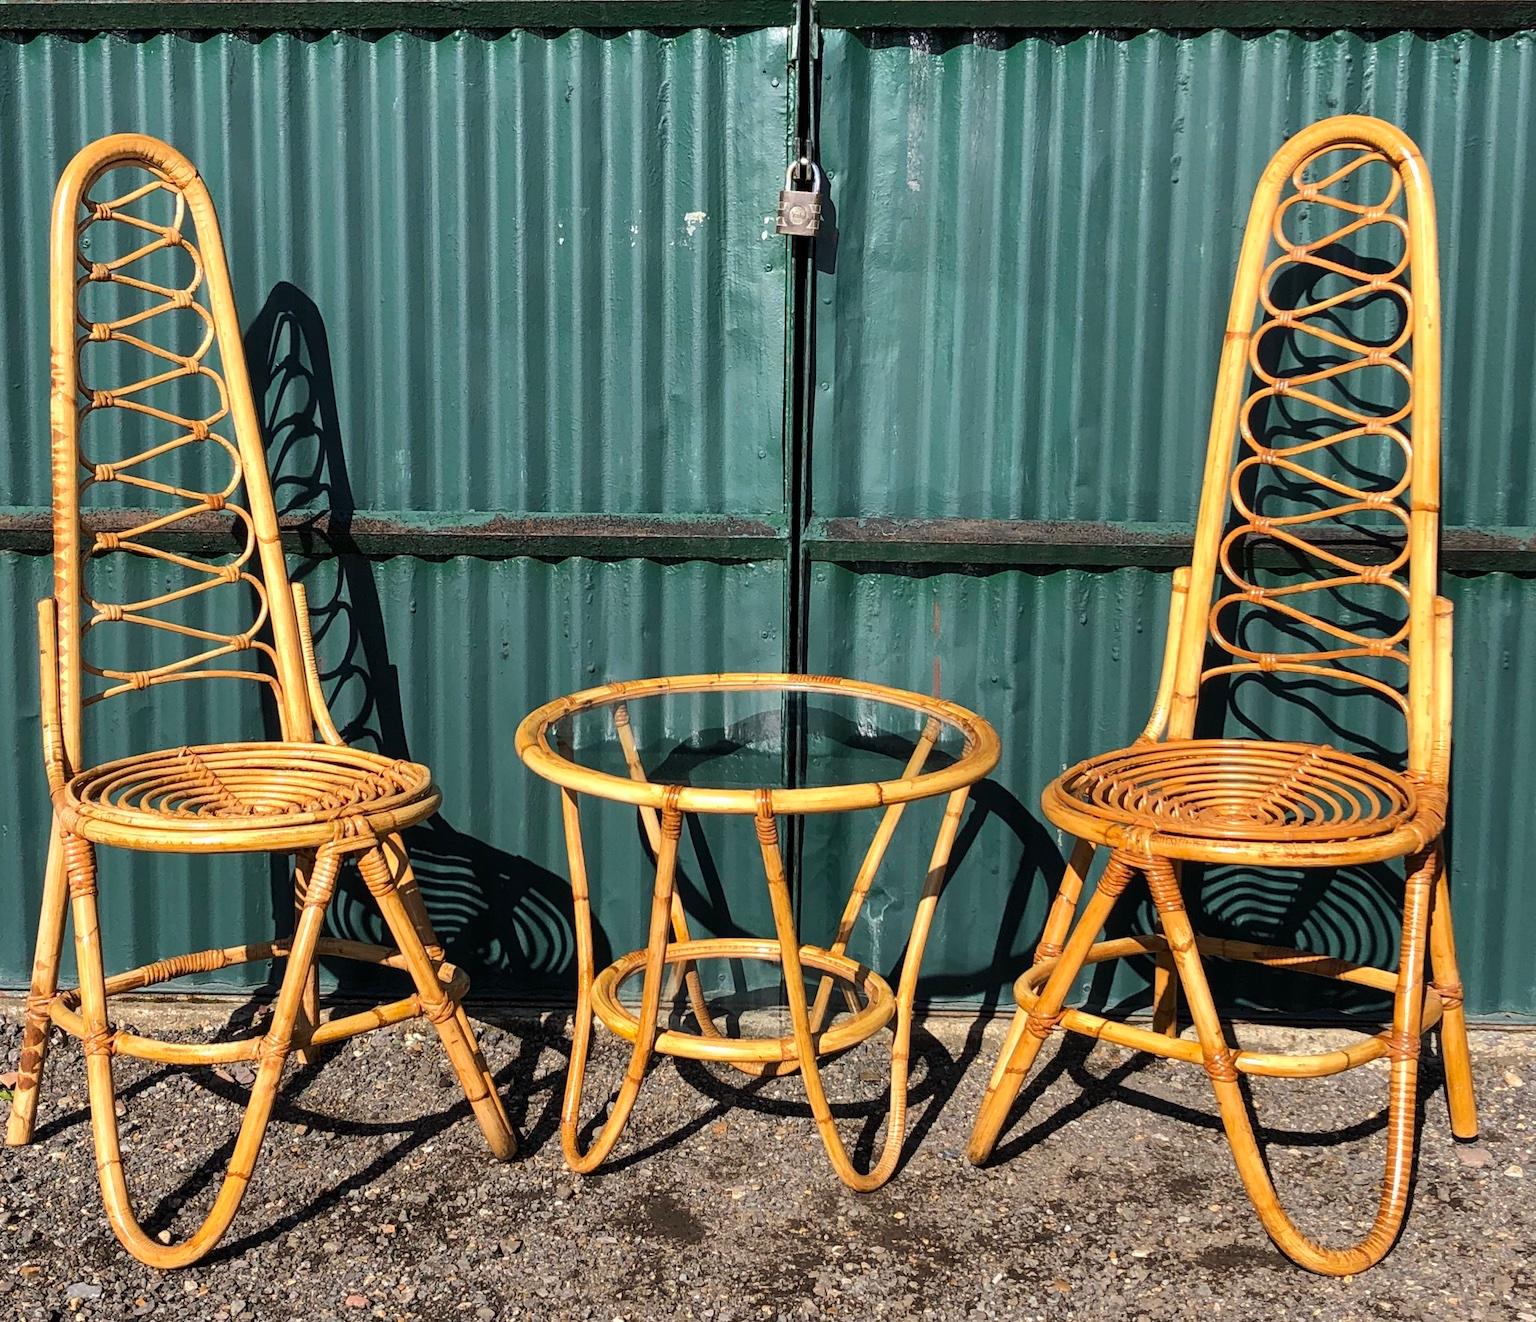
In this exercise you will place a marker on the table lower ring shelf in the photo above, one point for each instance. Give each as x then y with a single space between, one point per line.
878 1008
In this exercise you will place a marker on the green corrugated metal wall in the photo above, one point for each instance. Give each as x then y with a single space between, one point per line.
533 275
529 275
1018 323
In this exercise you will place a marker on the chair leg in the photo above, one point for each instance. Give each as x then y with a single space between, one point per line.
1165 992
45 982
1455 1055
416 908
309 1003
1030 1028
441 1010
1403 1042
1165 997
80 866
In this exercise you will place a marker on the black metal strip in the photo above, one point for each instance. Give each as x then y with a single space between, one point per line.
392 15
84 16
553 536
1185 15
1048 544
874 542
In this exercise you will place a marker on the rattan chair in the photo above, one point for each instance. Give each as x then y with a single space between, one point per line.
1301 489
130 281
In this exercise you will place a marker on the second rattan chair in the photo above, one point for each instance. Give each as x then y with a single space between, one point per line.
142 301
1340 478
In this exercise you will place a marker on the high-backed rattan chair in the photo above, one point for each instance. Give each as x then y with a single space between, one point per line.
142 417
1338 268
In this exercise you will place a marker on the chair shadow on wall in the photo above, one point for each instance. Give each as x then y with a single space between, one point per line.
501 917
1350 912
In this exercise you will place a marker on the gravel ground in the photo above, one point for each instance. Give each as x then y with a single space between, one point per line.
1114 1195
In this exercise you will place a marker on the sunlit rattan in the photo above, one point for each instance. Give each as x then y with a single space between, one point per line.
1204 799
1171 799
310 797
662 808
299 790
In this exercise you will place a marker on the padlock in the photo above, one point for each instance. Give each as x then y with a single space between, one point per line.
800 208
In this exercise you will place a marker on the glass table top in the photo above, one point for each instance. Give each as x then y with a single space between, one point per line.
815 743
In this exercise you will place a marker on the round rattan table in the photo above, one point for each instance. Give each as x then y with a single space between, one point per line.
763 746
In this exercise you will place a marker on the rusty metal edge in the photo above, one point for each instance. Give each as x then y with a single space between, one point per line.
1181 15
602 536
1050 544
982 543
187 16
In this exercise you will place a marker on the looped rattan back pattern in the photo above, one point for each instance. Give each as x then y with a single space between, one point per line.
153 422
1331 356
164 433
1337 471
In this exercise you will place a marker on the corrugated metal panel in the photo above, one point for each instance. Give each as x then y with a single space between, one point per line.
1035 241
541 261
437 660
1064 665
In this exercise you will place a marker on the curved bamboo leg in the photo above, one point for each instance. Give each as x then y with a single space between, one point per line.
409 891
685 971
1165 996
80 865
794 987
1455 1055
309 1003
440 1009
1058 921
1029 1029
890 819
1403 1042
45 982
650 994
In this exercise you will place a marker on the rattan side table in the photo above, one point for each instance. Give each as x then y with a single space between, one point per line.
832 745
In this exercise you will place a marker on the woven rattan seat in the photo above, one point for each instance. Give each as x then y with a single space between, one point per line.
1312 580
1191 798
302 789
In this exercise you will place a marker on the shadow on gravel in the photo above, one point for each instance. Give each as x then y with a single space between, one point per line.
517 1082
1097 1090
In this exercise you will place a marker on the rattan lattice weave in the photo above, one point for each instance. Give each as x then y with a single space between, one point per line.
1335 396
151 431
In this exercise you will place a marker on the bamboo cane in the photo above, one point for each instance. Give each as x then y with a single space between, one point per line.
1170 798
315 801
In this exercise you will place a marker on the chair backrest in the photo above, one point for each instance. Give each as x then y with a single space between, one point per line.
153 426
1330 376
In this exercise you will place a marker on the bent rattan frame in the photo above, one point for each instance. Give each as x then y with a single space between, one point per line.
670 943
1170 798
307 794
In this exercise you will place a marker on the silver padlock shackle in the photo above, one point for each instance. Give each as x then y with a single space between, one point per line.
805 166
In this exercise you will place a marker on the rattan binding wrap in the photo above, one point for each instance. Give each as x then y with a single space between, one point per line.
1170 798
194 450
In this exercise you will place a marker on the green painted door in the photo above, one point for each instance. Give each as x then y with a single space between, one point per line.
546 405
516 317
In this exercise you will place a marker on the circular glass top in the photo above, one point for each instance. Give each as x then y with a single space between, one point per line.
720 743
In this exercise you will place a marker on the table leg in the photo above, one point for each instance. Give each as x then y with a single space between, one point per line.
873 857
794 987
650 996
